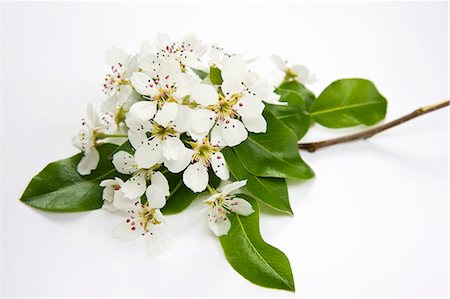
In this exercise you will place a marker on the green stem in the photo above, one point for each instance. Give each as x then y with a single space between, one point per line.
102 136
286 79
211 189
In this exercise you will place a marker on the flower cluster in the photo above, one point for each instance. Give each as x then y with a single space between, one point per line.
176 121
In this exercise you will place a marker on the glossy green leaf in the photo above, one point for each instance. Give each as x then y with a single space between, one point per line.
215 75
347 103
293 117
296 86
181 196
251 256
126 146
274 153
59 187
271 191
293 98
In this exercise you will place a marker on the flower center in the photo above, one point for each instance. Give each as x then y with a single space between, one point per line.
220 207
203 152
290 73
164 94
162 132
114 79
224 108
146 217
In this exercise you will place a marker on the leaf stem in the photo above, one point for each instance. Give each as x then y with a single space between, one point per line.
314 146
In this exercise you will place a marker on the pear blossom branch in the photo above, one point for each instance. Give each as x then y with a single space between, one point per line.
314 146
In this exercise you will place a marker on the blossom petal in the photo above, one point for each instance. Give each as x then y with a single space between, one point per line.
108 183
108 194
204 94
175 166
279 62
233 69
121 202
159 216
161 41
198 215
142 110
220 167
110 104
135 186
124 162
182 122
172 148
230 88
157 240
144 84
255 124
109 206
202 121
215 52
195 177
166 114
89 162
137 137
149 153
227 189
124 233
156 197
115 55
149 62
219 225
249 107
233 132
300 70
241 206
125 94
159 180
92 116
216 136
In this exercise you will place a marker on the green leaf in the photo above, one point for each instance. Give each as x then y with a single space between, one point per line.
347 103
293 117
126 146
215 75
181 196
59 187
271 191
296 86
201 74
293 98
251 256
274 153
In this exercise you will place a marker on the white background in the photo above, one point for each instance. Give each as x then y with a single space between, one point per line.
373 223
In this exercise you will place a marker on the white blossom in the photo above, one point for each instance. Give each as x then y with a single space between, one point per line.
296 71
204 155
187 52
225 202
146 219
113 196
237 110
86 139
121 66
